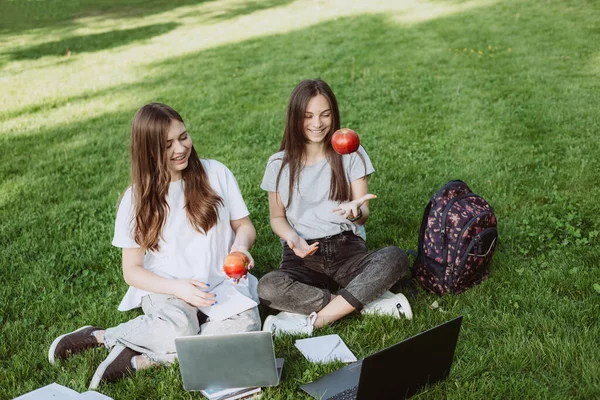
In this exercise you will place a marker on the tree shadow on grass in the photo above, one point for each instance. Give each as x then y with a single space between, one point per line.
23 16
20 16
238 10
92 43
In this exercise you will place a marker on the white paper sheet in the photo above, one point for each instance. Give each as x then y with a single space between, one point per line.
51 391
92 395
60 392
229 303
323 349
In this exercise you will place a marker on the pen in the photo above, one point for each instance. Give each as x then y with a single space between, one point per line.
332 350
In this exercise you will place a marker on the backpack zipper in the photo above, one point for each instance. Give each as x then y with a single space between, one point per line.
465 229
449 205
466 255
450 281
444 217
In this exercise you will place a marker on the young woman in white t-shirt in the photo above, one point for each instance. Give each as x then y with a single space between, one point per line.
319 203
176 223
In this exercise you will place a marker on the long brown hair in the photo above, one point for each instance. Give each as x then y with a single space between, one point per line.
150 178
293 142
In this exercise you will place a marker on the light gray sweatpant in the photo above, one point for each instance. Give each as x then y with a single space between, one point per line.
167 317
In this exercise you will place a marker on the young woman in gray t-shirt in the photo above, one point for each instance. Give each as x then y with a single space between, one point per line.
319 203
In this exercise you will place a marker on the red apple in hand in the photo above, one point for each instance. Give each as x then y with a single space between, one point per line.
345 141
236 265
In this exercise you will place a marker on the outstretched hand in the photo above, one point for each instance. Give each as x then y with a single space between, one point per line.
301 248
350 209
189 291
250 262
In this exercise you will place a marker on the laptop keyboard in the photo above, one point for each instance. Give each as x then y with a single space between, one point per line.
348 394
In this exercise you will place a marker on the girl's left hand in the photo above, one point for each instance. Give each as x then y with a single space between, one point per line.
250 264
350 209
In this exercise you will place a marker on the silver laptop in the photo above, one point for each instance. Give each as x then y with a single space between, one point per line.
234 360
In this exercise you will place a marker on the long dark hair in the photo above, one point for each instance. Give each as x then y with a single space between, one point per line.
294 140
150 178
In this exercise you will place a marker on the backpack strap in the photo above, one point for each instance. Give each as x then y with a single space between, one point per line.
412 253
412 289
424 221
406 284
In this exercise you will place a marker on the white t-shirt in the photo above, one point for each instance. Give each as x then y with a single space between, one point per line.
184 252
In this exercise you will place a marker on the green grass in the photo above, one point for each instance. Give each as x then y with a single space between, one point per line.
518 122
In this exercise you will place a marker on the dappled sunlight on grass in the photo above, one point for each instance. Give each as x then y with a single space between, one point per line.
68 111
92 42
419 11
113 60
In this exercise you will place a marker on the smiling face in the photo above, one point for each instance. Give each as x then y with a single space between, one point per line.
317 119
179 147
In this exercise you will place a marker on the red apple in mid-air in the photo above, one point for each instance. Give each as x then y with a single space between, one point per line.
345 141
236 265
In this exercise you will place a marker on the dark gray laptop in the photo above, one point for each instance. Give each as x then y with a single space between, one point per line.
236 360
397 372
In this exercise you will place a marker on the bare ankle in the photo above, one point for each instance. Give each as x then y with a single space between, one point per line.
319 322
99 335
142 362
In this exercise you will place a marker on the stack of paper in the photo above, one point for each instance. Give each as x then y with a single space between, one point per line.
231 394
240 393
322 349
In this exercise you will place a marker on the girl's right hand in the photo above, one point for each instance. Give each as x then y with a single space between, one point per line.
351 209
188 291
301 248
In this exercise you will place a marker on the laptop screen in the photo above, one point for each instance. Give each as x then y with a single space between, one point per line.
397 372
404 368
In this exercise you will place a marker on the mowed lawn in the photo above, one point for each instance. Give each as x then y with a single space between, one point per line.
503 95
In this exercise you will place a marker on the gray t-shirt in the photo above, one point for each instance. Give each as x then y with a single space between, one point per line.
309 213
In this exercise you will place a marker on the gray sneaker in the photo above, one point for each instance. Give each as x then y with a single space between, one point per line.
72 343
116 366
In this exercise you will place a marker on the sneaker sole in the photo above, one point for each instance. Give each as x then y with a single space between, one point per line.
51 358
97 378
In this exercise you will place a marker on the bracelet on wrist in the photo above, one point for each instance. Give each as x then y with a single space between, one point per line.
359 214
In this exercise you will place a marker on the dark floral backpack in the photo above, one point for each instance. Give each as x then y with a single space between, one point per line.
457 240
